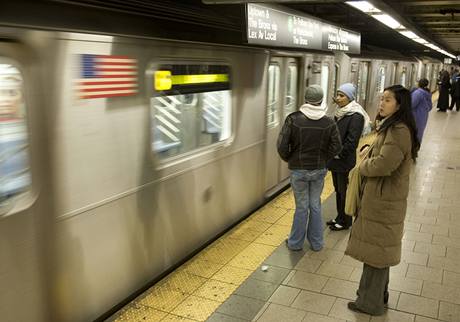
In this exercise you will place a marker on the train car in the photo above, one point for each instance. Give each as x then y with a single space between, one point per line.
122 156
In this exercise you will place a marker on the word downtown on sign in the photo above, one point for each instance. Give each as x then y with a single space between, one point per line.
278 26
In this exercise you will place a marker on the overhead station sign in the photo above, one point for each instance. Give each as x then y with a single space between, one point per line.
281 27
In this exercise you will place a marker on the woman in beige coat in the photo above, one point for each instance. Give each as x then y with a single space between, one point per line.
378 230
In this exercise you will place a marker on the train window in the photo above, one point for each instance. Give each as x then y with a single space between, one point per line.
336 78
325 83
290 104
413 75
393 73
190 108
273 94
434 79
428 71
15 175
362 82
381 80
403 77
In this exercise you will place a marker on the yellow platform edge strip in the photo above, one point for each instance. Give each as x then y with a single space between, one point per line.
195 290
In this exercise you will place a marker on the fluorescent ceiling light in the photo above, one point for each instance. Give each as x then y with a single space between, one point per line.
434 47
364 6
409 34
420 41
387 20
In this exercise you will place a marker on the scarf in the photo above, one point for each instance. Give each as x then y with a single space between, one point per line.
379 124
352 108
313 112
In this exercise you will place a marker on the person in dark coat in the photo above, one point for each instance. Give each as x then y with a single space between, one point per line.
453 81
376 235
307 141
421 106
444 85
351 120
455 93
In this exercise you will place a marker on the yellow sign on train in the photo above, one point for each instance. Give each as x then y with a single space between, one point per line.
163 80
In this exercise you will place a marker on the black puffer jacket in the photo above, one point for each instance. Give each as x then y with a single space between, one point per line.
350 128
307 144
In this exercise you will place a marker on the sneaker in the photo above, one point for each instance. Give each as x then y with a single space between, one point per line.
338 227
331 222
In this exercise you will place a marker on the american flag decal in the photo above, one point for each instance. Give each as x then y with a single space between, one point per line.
107 76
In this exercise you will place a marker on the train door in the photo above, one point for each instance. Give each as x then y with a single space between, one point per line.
381 79
335 79
394 70
283 75
377 85
413 76
429 71
22 255
325 69
363 78
354 71
434 78
403 77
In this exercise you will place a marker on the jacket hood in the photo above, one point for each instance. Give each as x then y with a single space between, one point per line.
313 112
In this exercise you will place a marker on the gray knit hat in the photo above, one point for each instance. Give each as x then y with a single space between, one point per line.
314 94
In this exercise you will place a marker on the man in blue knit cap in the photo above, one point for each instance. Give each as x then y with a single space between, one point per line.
352 122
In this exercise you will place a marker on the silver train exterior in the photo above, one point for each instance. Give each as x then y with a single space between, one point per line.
101 210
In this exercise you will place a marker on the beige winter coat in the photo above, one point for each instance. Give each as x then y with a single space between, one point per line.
378 230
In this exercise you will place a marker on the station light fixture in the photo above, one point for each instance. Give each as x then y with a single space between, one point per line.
389 21
409 34
420 41
364 6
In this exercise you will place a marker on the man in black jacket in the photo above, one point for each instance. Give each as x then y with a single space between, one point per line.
351 119
308 139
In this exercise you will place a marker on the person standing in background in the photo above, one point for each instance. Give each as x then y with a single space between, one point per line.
455 91
307 140
444 85
421 106
351 119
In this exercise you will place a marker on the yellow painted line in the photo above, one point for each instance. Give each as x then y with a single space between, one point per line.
195 290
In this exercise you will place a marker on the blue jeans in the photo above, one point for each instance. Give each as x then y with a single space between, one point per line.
308 223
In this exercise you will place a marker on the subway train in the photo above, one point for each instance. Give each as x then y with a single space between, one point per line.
122 156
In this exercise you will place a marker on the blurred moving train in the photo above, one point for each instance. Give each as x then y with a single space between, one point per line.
121 156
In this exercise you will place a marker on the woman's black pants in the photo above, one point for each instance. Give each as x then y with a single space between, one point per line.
340 180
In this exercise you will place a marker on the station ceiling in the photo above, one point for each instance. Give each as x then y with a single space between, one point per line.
438 21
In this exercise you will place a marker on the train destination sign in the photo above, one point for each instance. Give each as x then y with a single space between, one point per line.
277 26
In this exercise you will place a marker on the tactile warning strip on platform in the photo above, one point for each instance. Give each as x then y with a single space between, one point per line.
195 290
